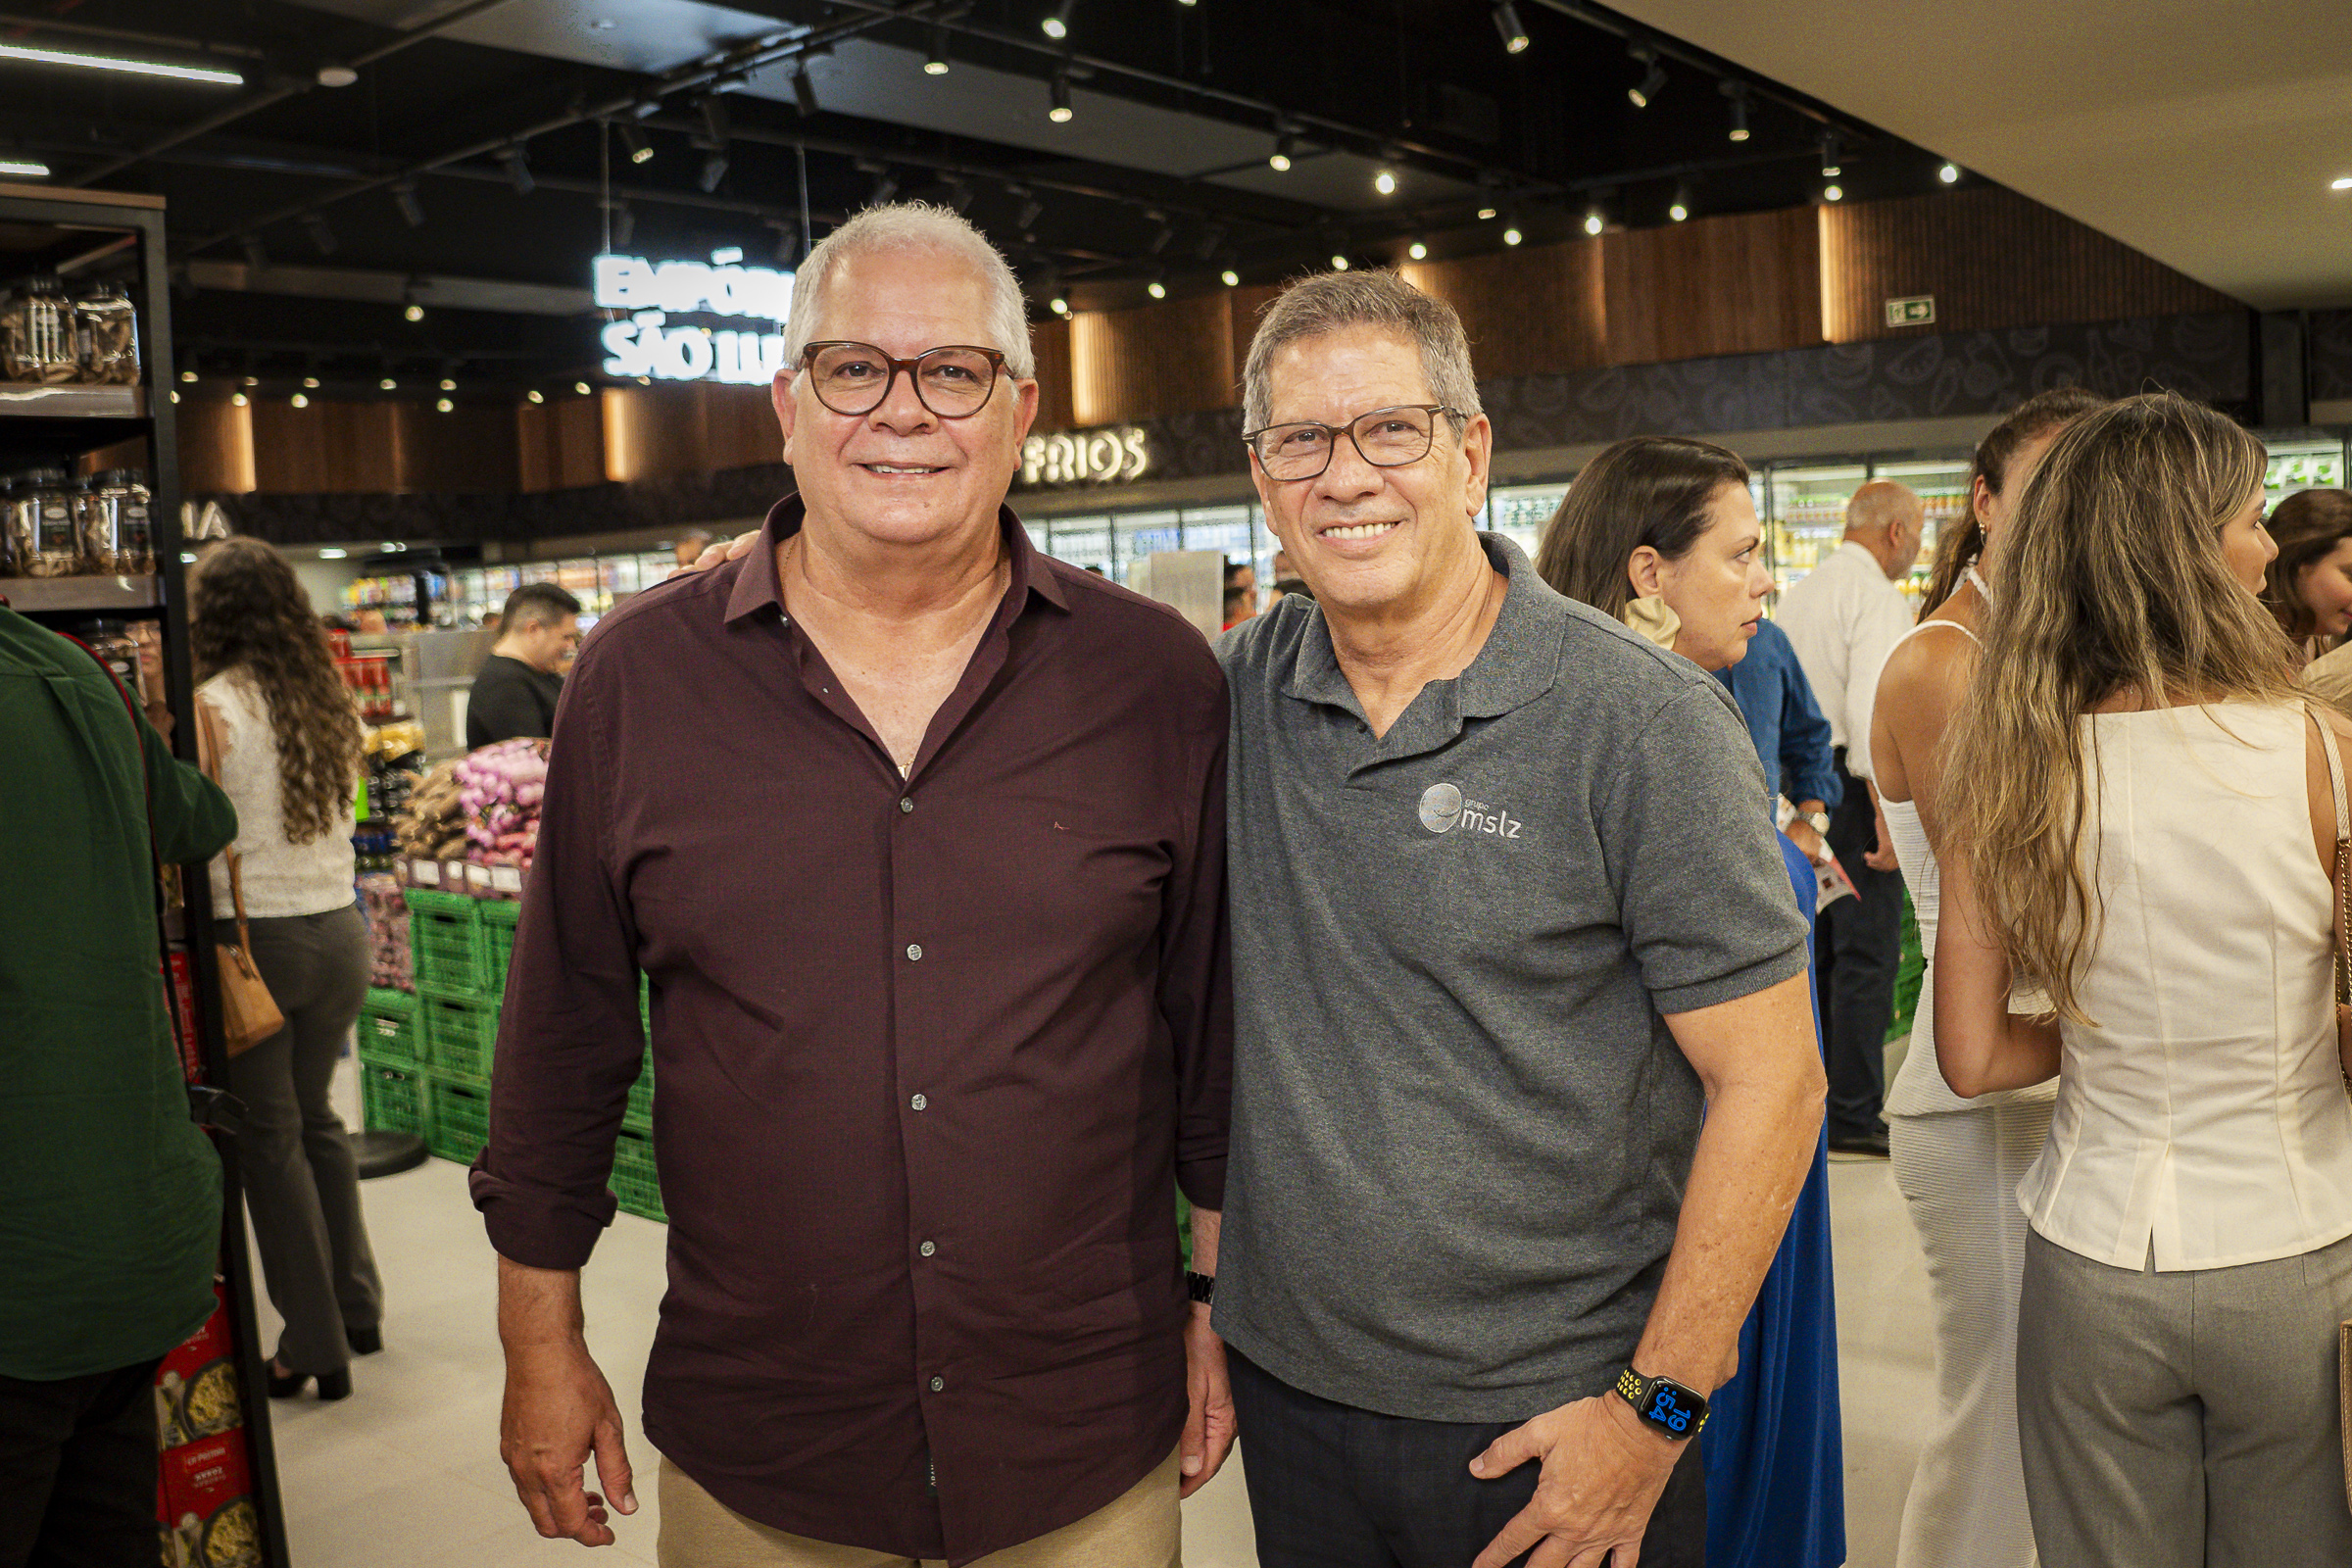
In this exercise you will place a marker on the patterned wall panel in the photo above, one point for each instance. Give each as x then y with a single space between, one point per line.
1050 341
1991 259
1169 357
1745 284
2330 347
1534 308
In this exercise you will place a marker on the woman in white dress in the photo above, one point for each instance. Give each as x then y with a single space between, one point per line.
1957 1162
2150 811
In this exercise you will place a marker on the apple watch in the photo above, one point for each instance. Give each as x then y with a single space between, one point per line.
1673 1410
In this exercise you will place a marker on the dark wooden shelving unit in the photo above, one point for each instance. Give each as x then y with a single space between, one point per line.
78 232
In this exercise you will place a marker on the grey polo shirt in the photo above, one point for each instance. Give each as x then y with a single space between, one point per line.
1460 1127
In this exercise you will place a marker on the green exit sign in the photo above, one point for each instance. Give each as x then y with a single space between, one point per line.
1918 311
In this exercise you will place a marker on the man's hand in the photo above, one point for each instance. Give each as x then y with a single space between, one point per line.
560 1410
1602 1474
1801 835
1210 1427
719 555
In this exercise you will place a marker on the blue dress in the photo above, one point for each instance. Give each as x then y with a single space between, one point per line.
1774 1451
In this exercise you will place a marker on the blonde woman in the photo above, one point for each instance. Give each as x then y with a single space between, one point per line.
1957 1162
2149 819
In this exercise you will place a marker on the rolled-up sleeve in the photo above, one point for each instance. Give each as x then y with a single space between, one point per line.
1196 968
570 1040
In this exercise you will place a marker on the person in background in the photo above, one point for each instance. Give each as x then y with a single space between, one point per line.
691 545
1793 738
2309 587
2191 1251
278 730
1957 1162
516 693
1241 603
929 881
1842 618
1524 1081
110 1228
1662 533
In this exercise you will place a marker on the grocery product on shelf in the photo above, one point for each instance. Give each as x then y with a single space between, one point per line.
117 532
37 333
501 788
106 336
432 824
387 914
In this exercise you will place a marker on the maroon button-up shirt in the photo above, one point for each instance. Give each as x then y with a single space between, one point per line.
929 1052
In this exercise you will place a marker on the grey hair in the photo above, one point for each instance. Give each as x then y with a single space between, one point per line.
1330 302
917 226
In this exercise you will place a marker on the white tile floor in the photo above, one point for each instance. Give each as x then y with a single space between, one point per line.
407 1470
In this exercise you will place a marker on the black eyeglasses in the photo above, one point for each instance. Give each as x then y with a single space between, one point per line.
1385 438
952 381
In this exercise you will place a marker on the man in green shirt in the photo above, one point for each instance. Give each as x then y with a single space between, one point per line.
109 1196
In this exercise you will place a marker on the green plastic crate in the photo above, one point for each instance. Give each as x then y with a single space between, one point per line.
388 1025
640 1114
458 1120
498 917
635 1183
392 1097
458 1032
446 942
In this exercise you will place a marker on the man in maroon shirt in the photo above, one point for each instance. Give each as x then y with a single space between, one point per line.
920 837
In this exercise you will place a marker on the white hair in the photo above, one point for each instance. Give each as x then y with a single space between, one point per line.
918 226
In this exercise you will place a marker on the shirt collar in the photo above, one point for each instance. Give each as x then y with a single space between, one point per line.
758 586
1519 663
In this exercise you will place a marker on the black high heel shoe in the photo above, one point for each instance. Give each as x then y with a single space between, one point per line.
332 1386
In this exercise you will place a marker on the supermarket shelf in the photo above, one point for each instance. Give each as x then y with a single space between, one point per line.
36 594
72 402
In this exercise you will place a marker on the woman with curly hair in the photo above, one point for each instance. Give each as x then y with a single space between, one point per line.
278 727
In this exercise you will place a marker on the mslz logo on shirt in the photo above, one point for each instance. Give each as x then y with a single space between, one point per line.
1442 809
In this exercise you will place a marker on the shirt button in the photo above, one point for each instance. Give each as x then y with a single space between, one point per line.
928 1248
939 1385
919 1101
914 951
905 805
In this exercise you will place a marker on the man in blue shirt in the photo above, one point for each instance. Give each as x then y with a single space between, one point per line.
1791 736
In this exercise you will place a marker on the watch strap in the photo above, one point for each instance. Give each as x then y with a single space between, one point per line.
1637 1389
1202 1288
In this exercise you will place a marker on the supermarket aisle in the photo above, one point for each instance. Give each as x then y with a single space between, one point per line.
407 1470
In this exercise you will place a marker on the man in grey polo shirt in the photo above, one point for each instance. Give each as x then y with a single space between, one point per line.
1508 923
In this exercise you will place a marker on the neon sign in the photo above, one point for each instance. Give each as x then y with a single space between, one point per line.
648 345
1113 456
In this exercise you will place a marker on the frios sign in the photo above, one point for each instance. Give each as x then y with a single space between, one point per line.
648 344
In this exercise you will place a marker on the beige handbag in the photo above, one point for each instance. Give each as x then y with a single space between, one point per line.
249 1015
2343 1025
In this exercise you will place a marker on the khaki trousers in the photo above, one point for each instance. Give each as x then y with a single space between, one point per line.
1139 1529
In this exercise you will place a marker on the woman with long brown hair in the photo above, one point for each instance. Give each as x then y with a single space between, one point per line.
2309 587
2149 812
1957 1162
280 728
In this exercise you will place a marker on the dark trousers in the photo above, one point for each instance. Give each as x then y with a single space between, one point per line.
77 1469
1335 1487
1858 949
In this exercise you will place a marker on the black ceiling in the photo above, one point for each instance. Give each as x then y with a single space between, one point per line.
284 191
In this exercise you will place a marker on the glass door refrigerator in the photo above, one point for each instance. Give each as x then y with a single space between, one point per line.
1521 512
1805 514
1942 485
2309 464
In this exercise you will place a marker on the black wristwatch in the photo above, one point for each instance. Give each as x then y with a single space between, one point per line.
1666 1405
1203 1287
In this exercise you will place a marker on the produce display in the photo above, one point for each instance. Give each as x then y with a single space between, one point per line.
431 825
394 966
500 789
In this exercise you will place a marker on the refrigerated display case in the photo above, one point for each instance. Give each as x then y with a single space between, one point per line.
1139 535
1805 515
1521 512
1941 485
2316 463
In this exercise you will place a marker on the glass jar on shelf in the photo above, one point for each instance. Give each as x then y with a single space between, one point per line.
41 512
116 533
37 333
106 334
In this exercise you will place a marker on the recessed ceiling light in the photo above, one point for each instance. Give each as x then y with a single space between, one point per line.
1679 210
1338 264
1512 235
1156 289
1232 279
1950 174
1594 222
1384 184
1417 251
1832 193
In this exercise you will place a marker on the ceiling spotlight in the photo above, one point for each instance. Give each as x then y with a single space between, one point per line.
404 196
251 381
1512 235
238 398
633 141
187 375
1832 193
1339 263
1737 93
322 234
1417 251
300 400
448 385
935 63
175 394
336 76
581 387
1059 304
534 395
1057 97
387 384
1681 210
1485 215
1057 20
311 381
1384 184
1230 278
1513 31
1594 222
1157 289
443 404
1950 174
715 169
1653 81
1829 168
804 92
1285 144
519 169
415 313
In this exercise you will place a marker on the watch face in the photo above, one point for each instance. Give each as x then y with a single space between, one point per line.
1666 1408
